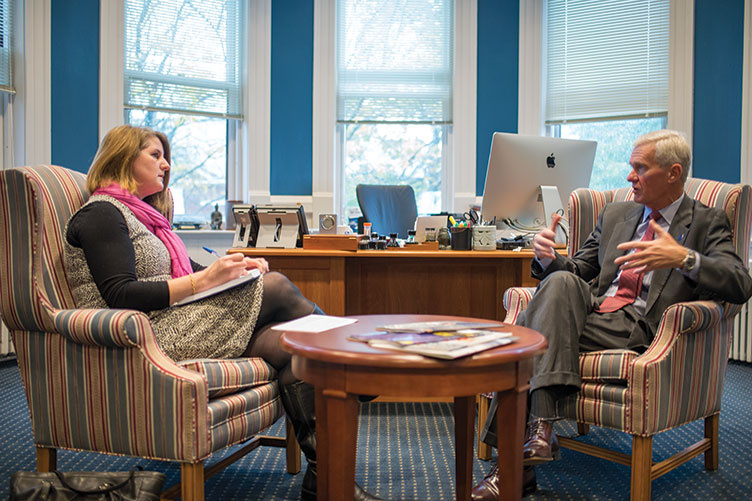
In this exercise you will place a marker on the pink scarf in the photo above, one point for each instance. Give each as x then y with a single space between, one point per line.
155 223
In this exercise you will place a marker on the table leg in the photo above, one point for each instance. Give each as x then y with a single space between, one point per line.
464 413
336 440
510 426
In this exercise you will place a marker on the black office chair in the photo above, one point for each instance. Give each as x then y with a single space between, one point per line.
389 208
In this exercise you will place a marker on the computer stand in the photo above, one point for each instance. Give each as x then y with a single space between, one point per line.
549 195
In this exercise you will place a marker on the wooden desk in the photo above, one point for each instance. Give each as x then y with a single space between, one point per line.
341 369
447 282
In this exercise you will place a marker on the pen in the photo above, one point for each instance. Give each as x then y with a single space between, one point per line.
211 251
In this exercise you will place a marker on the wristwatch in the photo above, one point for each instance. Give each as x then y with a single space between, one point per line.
689 261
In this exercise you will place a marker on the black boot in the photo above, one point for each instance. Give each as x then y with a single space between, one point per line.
298 401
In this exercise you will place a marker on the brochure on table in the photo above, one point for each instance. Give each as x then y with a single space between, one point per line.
440 344
437 326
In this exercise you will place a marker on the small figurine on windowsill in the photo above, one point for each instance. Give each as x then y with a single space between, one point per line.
216 218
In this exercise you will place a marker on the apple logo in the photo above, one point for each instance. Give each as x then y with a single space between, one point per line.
551 161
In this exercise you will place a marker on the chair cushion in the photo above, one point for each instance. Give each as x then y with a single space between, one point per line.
597 403
606 366
228 376
234 418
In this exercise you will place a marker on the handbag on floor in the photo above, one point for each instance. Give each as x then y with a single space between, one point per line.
87 485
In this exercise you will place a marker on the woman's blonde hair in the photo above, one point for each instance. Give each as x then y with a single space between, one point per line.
114 162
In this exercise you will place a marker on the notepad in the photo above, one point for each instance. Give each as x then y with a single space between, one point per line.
251 275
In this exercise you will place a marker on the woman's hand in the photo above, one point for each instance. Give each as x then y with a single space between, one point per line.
222 270
258 263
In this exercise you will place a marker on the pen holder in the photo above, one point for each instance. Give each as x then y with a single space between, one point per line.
484 237
461 239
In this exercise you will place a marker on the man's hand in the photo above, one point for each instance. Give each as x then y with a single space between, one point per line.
543 241
662 252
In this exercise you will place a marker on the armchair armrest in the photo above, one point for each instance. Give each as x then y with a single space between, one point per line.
104 327
683 319
515 301
693 340
112 328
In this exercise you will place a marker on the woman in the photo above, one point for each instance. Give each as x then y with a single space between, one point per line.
121 253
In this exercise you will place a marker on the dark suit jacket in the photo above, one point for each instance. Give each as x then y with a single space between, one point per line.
722 275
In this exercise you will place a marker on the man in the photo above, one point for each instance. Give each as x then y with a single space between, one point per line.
642 257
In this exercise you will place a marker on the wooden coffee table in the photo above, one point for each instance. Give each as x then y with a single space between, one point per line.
341 370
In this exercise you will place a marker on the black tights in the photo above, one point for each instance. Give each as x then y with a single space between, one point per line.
282 301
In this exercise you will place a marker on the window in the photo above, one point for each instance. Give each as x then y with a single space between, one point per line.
607 77
395 64
6 82
182 76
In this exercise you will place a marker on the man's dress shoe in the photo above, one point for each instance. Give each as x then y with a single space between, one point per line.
488 488
541 445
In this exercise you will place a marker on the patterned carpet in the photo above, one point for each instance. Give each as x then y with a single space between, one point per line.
406 452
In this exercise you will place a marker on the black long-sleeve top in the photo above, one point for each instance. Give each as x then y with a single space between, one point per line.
100 230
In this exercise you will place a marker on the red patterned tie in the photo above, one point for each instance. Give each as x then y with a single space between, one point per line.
630 283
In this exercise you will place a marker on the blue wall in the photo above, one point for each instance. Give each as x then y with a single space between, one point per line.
75 87
719 37
498 76
75 83
291 97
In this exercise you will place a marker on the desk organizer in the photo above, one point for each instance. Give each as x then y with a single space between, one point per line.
331 242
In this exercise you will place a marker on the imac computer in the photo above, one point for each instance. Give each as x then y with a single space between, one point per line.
531 177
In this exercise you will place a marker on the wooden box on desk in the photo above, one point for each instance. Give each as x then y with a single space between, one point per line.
331 242
422 246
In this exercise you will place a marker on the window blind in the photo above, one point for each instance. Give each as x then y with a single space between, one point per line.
606 59
6 77
183 56
395 61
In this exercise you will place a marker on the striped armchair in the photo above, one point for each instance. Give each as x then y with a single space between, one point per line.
644 394
97 380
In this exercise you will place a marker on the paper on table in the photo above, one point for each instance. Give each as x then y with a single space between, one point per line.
314 323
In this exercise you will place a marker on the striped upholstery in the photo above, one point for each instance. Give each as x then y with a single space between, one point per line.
231 416
515 301
600 403
225 377
662 394
607 366
36 203
96 379
655 391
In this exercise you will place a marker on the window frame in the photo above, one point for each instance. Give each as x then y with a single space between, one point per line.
458 148
27 133
532 71
746 146
7 33
247 139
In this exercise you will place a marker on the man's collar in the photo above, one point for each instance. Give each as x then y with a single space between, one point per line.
668 212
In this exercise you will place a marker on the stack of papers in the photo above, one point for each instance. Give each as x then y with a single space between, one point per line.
453 341
437 326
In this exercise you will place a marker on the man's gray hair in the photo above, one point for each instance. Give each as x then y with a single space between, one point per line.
671 147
